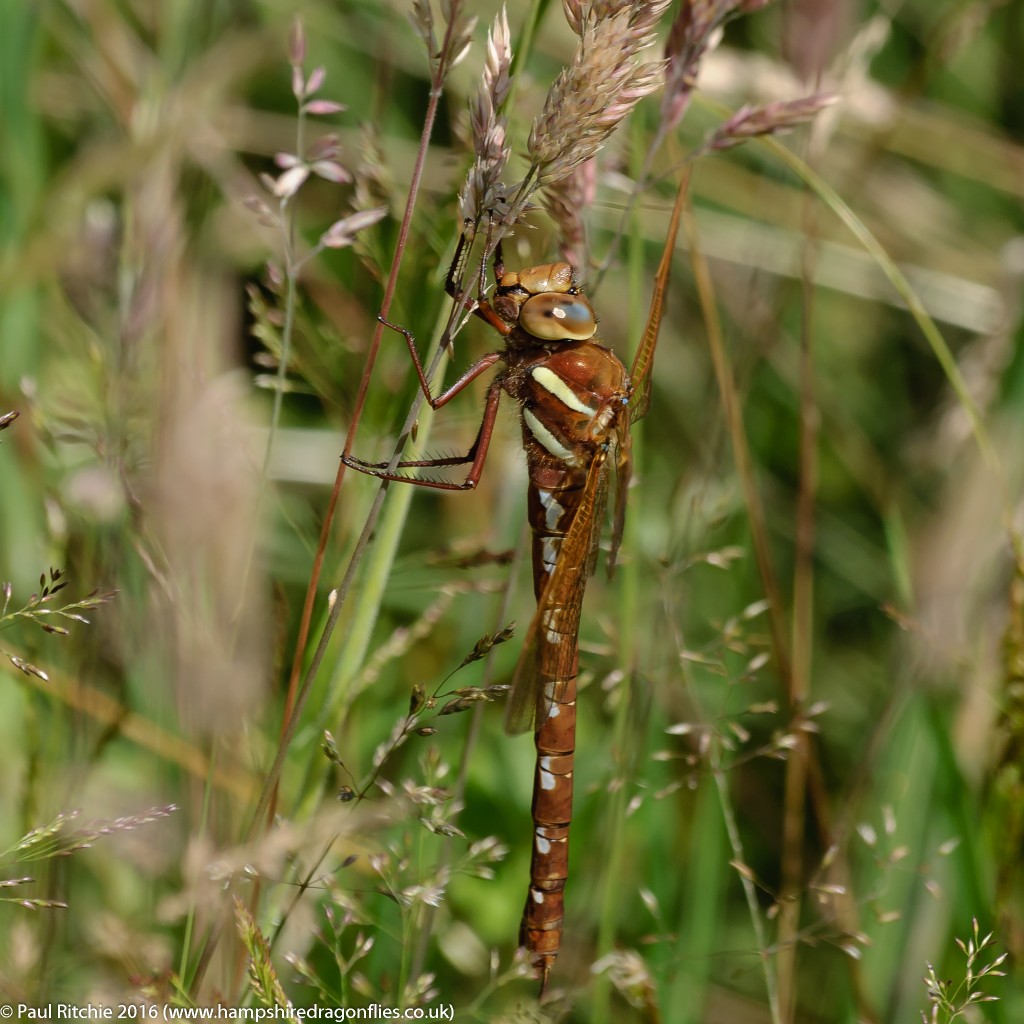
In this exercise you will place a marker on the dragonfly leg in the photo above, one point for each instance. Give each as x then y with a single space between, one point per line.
456 271
453 286
499 261
474 458
479 306
483 364
410 342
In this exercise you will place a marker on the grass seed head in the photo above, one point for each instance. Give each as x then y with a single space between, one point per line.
600 86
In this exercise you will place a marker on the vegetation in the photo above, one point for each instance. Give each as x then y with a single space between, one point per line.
251 702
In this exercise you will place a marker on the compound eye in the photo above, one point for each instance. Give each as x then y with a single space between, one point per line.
555 317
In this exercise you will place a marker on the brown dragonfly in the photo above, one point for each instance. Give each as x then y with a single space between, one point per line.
576 405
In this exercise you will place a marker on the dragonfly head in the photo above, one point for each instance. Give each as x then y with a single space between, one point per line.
547 303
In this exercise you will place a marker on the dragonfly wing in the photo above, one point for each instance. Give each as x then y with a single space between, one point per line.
623 474
643 363
550 648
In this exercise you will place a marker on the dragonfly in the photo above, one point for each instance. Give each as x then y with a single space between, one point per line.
576 405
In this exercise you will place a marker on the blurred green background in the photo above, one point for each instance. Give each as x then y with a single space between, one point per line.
138 330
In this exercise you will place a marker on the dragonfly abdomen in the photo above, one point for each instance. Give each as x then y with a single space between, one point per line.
572 403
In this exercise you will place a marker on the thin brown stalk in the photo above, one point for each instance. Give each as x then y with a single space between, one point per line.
795 797
451 50
741 450
295 698
755 510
